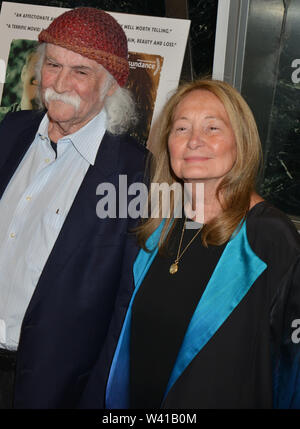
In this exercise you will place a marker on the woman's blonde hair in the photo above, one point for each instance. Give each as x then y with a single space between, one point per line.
237 185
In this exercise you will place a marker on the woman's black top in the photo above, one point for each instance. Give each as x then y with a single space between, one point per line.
165 303
161 313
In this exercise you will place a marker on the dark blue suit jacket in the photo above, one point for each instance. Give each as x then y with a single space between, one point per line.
67 319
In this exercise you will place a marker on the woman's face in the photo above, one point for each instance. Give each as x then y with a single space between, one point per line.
201 142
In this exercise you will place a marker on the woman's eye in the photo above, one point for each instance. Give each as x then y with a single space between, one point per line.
180 128
212 129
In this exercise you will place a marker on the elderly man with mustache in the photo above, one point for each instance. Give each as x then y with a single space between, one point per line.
61 266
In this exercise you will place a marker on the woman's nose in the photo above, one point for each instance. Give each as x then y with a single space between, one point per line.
196 140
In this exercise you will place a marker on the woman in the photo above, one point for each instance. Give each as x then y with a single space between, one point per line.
212 321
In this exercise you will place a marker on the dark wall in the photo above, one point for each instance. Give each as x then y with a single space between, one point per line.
271 86
203 16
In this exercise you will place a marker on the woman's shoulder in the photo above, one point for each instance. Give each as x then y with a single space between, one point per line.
265 215
270 231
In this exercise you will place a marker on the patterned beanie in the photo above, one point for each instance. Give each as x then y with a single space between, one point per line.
94 34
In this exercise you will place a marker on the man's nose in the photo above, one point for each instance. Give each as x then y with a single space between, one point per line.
62 81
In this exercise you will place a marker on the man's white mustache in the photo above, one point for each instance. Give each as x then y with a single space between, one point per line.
51 95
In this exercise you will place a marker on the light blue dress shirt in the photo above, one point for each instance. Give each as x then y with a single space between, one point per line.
33 209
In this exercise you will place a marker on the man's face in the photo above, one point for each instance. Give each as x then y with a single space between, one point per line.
72 75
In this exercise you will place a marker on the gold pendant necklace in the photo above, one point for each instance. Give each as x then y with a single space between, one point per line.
174 267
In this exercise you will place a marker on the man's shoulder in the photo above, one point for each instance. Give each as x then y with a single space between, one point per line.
129 150
25 115
19 129
21 118
124 154
129 143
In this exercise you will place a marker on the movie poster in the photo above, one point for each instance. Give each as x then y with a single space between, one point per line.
156 49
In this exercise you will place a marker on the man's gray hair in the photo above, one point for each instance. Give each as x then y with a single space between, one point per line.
120 106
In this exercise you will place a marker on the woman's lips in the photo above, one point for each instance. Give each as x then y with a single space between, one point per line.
196 158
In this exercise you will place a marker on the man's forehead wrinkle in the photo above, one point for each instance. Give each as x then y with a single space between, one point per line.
73 61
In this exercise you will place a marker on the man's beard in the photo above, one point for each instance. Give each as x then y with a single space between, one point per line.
73 100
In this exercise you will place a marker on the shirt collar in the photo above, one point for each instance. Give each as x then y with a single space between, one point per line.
86 140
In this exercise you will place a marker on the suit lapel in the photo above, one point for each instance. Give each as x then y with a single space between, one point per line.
82 217
235 273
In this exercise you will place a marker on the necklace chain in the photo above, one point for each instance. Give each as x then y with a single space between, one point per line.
174 267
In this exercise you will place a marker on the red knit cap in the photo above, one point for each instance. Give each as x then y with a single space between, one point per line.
94 34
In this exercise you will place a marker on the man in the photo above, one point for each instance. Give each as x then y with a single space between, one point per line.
61 266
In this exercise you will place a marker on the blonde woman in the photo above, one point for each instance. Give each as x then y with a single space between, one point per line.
213 319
